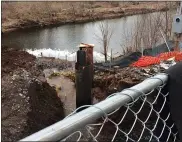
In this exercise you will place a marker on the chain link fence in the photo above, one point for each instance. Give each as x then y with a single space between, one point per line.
139 113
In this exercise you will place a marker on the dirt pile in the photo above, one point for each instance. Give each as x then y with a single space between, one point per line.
51 62
108 81
115 80
13 59
29 103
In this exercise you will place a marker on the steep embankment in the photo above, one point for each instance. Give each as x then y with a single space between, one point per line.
29 103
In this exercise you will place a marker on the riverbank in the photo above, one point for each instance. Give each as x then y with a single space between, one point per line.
17 16
32 85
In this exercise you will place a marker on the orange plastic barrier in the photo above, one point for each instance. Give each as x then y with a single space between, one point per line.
167 55
146 61
149 60
178 57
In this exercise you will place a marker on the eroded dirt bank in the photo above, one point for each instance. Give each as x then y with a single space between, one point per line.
64 86
40 14
29 103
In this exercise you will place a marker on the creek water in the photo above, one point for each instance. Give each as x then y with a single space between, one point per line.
62 41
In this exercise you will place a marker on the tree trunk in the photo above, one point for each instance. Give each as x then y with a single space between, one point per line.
105 54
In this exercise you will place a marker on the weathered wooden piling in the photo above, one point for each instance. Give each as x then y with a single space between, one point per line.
84 75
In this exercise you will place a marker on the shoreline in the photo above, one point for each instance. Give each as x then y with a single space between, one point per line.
98 15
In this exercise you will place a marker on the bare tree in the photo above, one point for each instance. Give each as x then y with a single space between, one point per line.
73 10
146 32
104 36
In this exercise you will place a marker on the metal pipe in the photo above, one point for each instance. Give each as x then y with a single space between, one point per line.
164 39
74 122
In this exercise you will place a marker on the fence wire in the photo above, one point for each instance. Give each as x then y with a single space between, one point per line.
140 113
146 118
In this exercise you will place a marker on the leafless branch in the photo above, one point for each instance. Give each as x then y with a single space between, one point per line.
104 36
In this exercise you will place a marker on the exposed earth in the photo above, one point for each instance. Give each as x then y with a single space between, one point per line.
29 103
37 92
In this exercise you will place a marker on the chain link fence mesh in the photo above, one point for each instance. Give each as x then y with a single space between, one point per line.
146 118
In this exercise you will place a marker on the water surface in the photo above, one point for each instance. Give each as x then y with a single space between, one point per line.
62 41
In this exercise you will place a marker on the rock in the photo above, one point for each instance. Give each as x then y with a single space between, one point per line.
21 94
146 70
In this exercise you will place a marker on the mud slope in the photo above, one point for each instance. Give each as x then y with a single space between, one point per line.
29 103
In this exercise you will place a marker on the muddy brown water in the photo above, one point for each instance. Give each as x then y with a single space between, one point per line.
65 89
67 93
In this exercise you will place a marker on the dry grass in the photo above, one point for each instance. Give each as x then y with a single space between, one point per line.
33 10
28 14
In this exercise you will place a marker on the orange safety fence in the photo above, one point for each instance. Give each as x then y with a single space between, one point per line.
149 60
146 61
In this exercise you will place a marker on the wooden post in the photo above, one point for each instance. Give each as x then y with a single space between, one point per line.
84 76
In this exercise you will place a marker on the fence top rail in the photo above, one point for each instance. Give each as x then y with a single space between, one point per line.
78 120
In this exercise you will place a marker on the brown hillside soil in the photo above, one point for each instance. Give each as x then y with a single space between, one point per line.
29 103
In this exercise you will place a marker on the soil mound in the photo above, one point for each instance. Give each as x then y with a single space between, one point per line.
29 103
